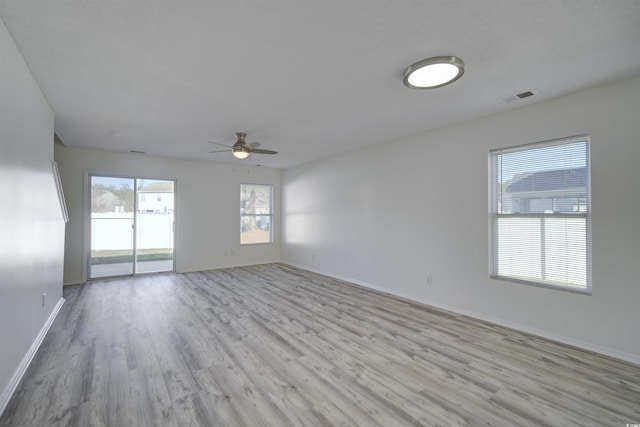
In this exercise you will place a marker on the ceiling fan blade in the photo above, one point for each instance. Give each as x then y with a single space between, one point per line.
253 145
219 151
217 143
259 151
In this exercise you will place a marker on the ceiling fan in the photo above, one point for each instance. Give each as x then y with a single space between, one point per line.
241 149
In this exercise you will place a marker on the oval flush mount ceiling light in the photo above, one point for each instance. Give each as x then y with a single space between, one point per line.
433 72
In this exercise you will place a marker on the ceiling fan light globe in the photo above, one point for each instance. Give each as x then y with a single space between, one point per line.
241 152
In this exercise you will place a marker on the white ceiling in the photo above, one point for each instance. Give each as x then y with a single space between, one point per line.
306 78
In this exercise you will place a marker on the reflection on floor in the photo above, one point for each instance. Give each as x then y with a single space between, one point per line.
122 269
273 345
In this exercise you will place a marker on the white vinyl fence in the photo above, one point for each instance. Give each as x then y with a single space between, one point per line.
113 231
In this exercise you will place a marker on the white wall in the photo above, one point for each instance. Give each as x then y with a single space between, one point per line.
31 224
389 216
207 206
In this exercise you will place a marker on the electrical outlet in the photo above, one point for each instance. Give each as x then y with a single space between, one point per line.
429 280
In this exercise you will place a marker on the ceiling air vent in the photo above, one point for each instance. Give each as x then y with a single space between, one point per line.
525 94
519 96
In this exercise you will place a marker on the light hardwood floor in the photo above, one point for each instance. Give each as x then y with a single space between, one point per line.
273 345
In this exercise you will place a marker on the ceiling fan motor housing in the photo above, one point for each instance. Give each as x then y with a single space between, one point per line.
240 139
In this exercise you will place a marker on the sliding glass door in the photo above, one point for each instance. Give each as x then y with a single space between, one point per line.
132 226
154 225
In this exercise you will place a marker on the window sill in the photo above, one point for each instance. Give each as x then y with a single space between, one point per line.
569 289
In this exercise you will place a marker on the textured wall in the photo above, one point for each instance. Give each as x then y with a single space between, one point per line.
392 215
207 207
31 224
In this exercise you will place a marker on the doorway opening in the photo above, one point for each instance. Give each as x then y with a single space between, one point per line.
131 226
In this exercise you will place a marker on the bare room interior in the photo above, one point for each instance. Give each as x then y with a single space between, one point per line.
382 213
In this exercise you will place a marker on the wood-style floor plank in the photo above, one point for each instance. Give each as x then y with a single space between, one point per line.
273 345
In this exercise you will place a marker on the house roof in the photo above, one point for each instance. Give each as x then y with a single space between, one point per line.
551 180
157 187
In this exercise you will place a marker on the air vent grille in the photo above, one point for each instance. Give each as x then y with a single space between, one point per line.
519 96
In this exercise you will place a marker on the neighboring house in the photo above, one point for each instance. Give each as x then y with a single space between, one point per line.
157 197
560 190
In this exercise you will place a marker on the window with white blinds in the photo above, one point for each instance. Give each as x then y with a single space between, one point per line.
540 212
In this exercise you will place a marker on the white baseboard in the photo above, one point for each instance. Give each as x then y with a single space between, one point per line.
628 357
26 360
229 265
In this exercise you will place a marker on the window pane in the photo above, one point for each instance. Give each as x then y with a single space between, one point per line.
255 229
543 180
154 225
518 248
566 251
546 250
255 199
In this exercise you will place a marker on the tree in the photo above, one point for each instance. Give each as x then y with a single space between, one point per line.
106 198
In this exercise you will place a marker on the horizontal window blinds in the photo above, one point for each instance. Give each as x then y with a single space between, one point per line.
540 211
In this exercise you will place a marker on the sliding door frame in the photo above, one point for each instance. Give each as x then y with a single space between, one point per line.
86 246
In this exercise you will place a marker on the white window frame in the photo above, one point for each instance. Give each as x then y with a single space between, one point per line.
495 216
270 214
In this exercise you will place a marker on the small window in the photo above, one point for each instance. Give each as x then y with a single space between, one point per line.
256 214
540 212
